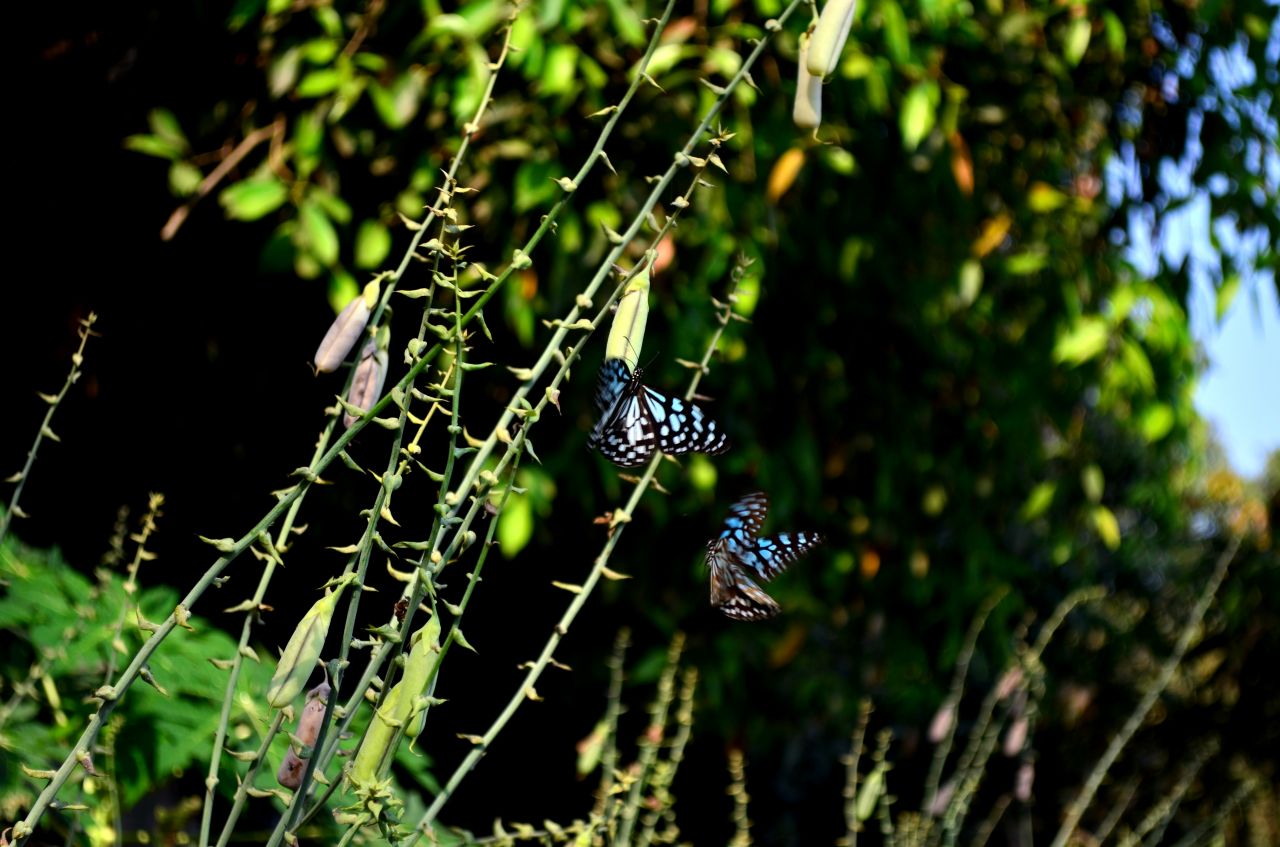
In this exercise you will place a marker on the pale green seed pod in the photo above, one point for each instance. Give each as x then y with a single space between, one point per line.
626 336
807 111
290 773
345 330
303 651
399 708
829 37
370 375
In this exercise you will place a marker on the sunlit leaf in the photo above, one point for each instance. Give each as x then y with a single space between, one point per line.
1085 340
253 198
1039 500
1107 526
515 525
919 113
373 243
1156 422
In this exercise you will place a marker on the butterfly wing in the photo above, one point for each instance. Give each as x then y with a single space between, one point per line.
771 556
682 426
746 517
611 382
734 592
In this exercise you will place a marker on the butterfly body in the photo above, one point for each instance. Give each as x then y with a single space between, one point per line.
636 421
738 557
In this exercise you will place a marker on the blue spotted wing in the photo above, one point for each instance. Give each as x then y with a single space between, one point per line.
738 557
636 420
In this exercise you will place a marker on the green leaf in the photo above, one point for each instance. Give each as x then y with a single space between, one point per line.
1077 40
165 125
1115 33
1107 526
1039 500
184 178
317 233
897 43
373 243
970 282
252 198
515 525
153 145
533 186
320 82
1156 422
558 73
1044 198
918 114
397 104
1226 295
626 22
1086 339
1093 483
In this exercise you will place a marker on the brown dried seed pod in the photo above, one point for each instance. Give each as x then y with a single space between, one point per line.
366 385
345 330
290 773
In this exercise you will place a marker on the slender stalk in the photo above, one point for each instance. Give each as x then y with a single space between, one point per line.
957 692
20 478
609 758
621 518
650 741
852 825
1078 806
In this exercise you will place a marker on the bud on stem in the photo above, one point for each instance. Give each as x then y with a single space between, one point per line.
626 335
829 37
303 650
401 705
807 111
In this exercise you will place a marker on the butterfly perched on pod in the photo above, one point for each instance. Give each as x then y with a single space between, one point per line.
637 421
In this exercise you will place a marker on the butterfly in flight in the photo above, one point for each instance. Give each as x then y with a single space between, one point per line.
738 557
635 420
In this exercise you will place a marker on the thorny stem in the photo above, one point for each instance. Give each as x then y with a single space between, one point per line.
957 692
620 519
851 822
20 478
663 779
681 160
649 743
609 758
1077 808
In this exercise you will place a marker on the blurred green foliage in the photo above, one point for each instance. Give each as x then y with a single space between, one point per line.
957 370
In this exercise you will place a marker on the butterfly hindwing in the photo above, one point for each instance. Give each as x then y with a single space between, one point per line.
637 420
772 555
736 594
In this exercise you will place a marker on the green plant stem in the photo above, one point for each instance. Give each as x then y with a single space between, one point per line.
237 663
1078 806
621 518
649 746
609 758
258 758
20 479
851 822
662 783
957 692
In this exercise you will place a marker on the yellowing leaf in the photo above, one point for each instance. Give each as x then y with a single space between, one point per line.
1045 198
784 173
1107 526
1040 498
993 232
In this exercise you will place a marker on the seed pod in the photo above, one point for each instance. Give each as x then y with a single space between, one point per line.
290 773
1023 781
303 650
345 330
626 336
829 37
807 111
399 707
371 373
942 722
1016 738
